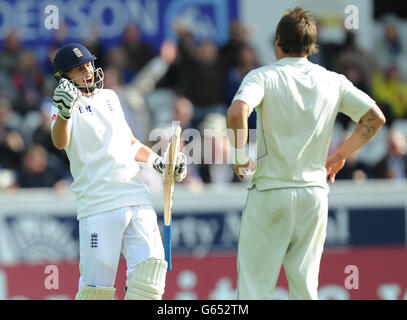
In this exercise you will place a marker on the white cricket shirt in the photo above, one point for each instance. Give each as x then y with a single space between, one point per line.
296 103
106 175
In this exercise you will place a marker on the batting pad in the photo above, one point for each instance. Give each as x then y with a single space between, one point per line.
95 293
147 281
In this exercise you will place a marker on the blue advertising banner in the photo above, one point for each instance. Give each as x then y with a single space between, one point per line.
49 237
37 21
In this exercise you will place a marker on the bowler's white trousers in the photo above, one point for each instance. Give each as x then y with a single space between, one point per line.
282 227
132 231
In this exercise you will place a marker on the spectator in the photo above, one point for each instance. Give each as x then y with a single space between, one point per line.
354 168
132 95
39 169
229 52
117 59
42 134
214 167
137 52
28 81
247 60
10 52
201 79
389 49
7 179
183 112
352 58
11 142
354 75
391 92
394 164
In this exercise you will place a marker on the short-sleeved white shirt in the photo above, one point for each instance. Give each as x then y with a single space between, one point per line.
106 175
296 103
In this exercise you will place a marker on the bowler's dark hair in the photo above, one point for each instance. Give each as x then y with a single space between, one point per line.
297 30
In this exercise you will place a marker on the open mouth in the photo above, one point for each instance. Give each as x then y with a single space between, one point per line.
88 81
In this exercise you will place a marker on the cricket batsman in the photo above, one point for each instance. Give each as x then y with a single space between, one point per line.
114 210
285 217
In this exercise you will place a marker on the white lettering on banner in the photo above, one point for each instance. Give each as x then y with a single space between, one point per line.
338 228
333 292
74 11
119 17
223 290
198 234
48 232
147 17
231 227
201 24
391 291
6 18
29 17
186 280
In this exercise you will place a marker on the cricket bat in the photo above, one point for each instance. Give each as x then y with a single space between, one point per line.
169 182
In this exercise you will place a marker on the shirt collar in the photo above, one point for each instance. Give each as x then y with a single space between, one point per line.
293 61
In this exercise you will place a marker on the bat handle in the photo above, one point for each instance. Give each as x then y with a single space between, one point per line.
167 245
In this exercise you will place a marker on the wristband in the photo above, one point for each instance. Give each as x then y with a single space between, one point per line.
239 156
135 147
62 116
152 157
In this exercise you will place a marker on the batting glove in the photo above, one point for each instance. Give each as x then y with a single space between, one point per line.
65 96
159 164
180 166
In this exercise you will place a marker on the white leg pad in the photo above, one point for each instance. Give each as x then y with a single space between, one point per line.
147 281
95 293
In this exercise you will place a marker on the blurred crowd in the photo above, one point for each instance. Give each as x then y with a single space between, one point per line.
191 81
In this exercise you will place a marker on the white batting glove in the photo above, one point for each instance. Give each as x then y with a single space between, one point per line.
65 96
159 164
180 166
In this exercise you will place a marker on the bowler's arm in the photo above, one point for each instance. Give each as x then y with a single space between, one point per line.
236 119
364 131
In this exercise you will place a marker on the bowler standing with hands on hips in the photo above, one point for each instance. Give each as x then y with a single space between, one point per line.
285 217
115 212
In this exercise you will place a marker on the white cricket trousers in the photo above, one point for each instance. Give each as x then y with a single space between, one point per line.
132 231
282 227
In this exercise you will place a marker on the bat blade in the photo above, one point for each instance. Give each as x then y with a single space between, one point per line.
169 182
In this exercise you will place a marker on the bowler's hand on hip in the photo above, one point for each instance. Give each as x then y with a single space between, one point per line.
333 165
245 170
65 96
